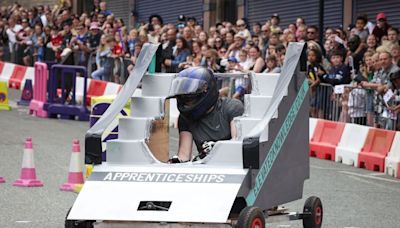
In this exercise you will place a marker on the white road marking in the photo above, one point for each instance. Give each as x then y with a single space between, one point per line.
370 183
370 177
23 221
377 174
323 168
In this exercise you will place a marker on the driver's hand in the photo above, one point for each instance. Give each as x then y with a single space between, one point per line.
207 146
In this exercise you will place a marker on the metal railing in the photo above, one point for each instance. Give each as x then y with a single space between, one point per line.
229 83
351 104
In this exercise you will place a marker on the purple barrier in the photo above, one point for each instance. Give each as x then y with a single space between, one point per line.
64 76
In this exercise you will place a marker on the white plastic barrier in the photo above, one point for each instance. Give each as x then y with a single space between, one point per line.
79 89
353 139
392 161
112 89
313 124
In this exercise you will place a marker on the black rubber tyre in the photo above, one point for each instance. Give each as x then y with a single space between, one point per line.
251 217
76 223
313 205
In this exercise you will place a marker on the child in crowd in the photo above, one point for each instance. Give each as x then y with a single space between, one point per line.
361 29
339 73
39 49
241 84
394 102
133 34
56 42
233 65
244 62
357 103
138 48
314 72
272 64
367 70
280 52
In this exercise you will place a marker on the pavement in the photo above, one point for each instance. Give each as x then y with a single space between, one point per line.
351 197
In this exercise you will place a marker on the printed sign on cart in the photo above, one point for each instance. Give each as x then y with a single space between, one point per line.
165 177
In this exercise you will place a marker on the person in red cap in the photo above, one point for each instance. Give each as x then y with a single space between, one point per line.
381 27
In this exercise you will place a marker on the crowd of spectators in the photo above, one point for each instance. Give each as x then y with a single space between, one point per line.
364 57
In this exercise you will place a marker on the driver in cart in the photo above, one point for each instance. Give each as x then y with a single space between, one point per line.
204 116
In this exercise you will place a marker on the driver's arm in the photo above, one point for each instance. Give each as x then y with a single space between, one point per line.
185 145
233 130
234 109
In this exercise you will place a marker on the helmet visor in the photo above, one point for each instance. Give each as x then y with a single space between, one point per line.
186 86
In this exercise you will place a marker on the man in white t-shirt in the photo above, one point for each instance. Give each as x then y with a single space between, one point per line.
13 29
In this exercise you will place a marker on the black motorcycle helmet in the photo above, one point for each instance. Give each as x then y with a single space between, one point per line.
195 90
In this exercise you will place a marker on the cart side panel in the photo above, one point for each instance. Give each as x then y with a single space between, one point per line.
284 179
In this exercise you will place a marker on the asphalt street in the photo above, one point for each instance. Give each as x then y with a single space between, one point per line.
351 197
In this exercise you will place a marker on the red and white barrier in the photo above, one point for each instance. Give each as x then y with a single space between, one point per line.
392 161
325 139
361 146
376 148
16 75
350 145
313 124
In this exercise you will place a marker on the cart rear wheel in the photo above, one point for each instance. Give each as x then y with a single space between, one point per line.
313 205
77 223
251 217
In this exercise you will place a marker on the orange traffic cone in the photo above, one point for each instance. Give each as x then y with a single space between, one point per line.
2 180
75 175
28 170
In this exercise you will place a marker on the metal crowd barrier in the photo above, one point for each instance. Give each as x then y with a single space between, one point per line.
226 83
350 104
119 68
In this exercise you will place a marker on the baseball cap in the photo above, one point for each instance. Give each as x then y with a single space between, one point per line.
232 59
380 16
275 15
94 25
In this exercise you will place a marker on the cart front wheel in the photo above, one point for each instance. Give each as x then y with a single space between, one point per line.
77 223
251 217
313 205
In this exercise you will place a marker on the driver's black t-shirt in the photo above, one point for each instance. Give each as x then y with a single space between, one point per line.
215 125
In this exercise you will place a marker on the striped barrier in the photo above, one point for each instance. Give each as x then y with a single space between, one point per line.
356 145
325 139
392 161
16 75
